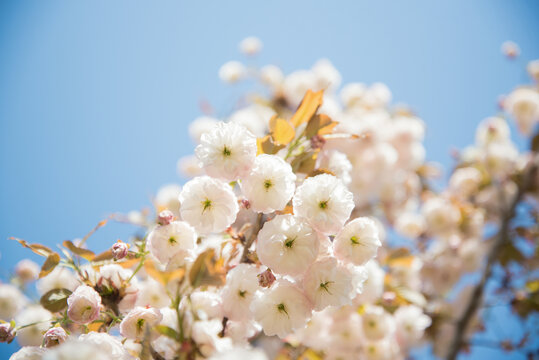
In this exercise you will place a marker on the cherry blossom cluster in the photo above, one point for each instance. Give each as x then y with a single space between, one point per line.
309 227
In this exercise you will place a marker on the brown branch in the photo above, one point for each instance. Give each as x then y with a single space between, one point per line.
501 239
251 239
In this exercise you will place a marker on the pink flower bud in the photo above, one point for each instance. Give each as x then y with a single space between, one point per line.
266 278
165 217
6 333
54 336
245 204
119 250
83 305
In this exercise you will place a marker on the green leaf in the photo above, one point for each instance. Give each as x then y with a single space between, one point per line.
55 300
167 331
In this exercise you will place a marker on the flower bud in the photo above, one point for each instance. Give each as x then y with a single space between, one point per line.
165 217
6 333
27 270
54 336
119 250
266 278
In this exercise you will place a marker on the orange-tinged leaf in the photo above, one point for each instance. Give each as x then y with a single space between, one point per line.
320 172
266 145
95 326
320 125
49 264
207 270
281 131
106 255
305 162
84 253
100 224
406 261
36 248
128 263
308 107
55 300
164 277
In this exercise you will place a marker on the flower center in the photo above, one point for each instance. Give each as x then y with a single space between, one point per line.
206 204
282 309
226 151
267 184
354 240
172 240
289 242
242 293
323 204
325 286
140 324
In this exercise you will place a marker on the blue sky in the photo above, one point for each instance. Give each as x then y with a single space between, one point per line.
95 97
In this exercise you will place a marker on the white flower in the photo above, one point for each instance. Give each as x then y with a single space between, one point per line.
232 71
206 335
166 241
440 215
373 287
296 85
523 105
270 185
59 278
254 118
533 69
27 270
151 293
188 166
77 350
500 158
32 335
465 181
491 130
410 224
281 309
377 323
287 245
29 353
250 45
338 163
83 305
209 205
325 202
207 304
11 301
510 49
271 75
327 77
135 323
351 94
378 95
200 126
358 241
167 198
241 286
106 343
227 151
411 323
385 349
327 283
240 354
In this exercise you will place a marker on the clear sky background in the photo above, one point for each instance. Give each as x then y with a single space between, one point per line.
96 96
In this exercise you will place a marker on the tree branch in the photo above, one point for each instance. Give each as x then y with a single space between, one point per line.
501 238
251 239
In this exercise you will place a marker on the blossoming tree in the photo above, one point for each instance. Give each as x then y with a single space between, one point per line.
278 245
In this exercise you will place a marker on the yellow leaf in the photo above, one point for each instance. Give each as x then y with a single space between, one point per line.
49 264
320 125
309 355
266 145
84 253
319 172
308 107
281 131
106 255
164 277
207 271
305 163
37 248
